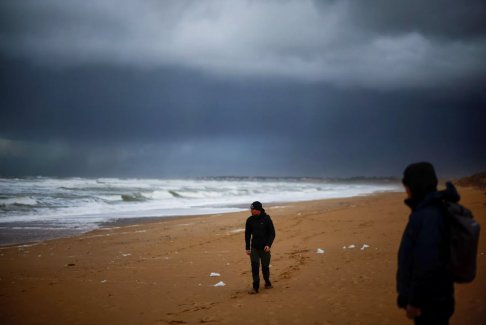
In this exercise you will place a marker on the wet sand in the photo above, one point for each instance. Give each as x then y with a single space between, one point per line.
158 272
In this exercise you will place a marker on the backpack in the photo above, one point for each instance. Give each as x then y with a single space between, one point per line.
463 244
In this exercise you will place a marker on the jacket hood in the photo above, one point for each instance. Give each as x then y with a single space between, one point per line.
450 194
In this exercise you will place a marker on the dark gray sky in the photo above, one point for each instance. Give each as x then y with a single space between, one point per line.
247 88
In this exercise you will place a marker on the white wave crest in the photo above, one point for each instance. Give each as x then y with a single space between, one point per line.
18 201
135 197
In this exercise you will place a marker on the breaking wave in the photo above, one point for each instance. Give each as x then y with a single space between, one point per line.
18 202
135 197
83 203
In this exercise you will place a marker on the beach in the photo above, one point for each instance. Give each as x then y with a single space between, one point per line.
333 262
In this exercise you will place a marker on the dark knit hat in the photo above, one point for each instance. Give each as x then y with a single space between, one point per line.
420 178
256 206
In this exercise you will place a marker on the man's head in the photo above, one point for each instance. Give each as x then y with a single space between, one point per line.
256 208
419 179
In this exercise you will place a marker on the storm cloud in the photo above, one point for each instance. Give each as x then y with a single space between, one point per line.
381 44
270 88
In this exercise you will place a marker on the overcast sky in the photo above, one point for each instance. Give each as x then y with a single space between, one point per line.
189 88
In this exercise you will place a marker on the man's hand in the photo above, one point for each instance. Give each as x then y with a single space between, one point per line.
413 312
248 252
267 249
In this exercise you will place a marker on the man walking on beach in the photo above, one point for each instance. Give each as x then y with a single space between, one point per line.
259 236
425 286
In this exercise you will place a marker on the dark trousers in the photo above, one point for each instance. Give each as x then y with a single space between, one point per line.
437 313
257 256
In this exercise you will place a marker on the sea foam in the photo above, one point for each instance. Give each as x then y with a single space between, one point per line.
82 203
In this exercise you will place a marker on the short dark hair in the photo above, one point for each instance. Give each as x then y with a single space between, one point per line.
420 178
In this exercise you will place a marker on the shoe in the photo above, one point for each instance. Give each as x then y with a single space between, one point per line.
268 286
253 291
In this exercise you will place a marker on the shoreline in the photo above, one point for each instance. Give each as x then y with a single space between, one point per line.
64 233
158 272
73 206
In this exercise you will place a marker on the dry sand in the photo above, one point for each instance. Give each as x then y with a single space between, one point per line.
159 272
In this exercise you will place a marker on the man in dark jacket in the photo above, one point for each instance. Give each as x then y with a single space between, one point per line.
425 287
259 236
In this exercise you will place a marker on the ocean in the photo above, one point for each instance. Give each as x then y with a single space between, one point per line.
40 208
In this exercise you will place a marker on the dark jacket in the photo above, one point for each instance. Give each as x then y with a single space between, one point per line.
260 231
422 278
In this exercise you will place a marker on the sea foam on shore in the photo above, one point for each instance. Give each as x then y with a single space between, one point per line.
36 208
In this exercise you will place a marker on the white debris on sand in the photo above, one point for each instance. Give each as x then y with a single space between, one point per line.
220 284
214 274
320 251
354 246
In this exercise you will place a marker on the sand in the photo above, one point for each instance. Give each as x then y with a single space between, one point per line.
160 272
